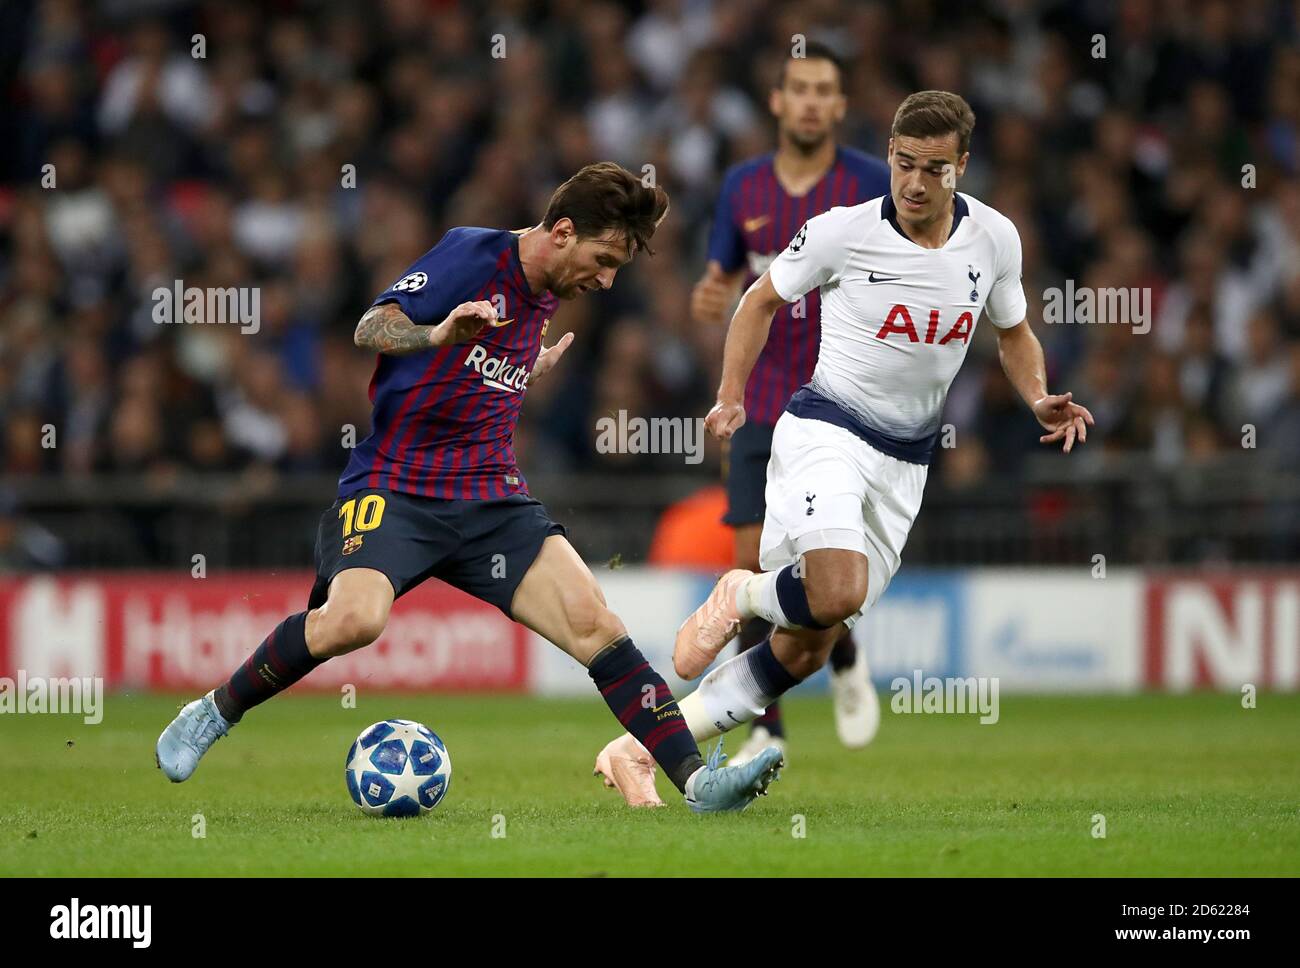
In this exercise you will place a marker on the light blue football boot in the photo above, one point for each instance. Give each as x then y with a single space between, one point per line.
183 743
716 788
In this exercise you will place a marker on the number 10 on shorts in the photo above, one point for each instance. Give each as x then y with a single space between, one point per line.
363 515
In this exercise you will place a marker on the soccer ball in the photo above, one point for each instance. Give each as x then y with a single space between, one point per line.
398 768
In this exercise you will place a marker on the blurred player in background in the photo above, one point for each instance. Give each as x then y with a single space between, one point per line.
435 490
763 203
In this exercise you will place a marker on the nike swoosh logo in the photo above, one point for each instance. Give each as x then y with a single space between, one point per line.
664 706
733 718
503 322
757 222
872 277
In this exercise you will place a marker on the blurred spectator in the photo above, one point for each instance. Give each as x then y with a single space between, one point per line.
1262 381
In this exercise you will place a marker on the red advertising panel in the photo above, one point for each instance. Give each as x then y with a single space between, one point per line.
149 630
1223 631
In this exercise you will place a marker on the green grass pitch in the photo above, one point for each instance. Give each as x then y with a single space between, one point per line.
1188 785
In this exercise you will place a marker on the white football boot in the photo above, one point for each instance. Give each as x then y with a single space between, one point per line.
857 707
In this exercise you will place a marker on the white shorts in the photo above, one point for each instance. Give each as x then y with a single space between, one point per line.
829 488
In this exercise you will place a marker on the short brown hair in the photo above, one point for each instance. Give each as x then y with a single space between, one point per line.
814 50
607 196
933 114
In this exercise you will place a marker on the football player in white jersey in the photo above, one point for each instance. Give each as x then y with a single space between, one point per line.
903 281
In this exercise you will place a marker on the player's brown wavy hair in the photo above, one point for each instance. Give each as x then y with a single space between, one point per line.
933 114
607 196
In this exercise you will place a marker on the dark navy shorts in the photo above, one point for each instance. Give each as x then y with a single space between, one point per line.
746 474
481 547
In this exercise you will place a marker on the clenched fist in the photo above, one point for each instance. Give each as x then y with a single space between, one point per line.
725 419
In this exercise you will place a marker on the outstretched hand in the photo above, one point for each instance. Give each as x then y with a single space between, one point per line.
549 356
1063 419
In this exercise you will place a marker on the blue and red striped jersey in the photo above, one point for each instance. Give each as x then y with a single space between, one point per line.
443 422
755 220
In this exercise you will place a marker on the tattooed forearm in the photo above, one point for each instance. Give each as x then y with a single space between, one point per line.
386 329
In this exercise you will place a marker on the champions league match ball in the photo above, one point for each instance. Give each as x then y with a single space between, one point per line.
398 768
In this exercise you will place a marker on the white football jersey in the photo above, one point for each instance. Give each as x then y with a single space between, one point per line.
897 318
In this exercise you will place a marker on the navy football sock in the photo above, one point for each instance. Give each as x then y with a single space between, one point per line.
772 678
275 665
794 599
844 652
641 700
754 632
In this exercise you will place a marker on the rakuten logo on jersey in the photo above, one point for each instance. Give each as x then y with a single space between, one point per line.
899 323
497 371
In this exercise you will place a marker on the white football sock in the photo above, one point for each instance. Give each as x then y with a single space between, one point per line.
697 717
756 598
725 698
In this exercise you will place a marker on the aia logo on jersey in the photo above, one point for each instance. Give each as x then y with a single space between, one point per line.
899 321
